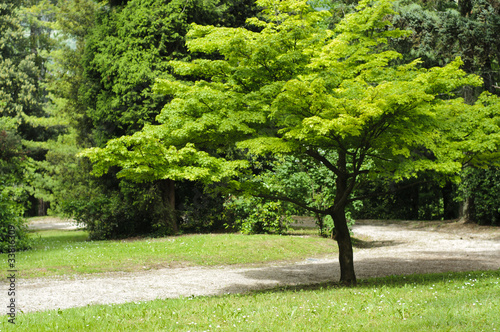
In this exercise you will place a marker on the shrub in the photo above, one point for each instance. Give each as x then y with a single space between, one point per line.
134 209
253 215
13 229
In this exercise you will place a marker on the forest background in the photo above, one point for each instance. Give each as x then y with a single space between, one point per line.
75 74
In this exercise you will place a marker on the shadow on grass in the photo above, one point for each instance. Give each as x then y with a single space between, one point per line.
397 272
396 281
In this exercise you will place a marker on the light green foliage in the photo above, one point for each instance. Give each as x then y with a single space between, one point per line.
471 133
154 160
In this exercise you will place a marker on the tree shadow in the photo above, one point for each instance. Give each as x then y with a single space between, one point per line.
390 272
394 281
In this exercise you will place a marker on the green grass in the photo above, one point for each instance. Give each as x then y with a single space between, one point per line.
69 252
434 302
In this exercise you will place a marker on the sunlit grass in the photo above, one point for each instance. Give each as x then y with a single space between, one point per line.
68 252
433 302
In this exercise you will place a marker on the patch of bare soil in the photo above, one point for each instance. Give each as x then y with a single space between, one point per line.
384 248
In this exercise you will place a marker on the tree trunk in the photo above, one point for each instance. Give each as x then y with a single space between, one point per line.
168 192
346 260
466 209
347 275
42 207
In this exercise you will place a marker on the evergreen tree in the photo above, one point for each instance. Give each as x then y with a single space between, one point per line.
18 99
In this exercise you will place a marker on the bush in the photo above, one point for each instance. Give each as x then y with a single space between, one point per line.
15 170
253 215
414 199
13 228
134 209
139 209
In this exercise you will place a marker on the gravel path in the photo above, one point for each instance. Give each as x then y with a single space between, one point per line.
385 249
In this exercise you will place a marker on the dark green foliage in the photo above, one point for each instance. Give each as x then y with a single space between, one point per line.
302 180
123 209
14 168
443 30
130 47
18 98
18 72
200 208
416 199
13 229
128 210
482 188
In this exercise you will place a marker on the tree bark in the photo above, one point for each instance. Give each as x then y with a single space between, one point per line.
466 209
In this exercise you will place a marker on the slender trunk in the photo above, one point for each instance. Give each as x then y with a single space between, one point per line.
346 260
168 192
319 221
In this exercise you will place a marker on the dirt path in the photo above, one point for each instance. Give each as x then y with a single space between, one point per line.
384 249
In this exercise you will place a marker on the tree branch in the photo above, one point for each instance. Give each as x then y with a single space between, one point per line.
324 161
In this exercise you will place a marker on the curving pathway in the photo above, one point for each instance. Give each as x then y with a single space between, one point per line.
385 249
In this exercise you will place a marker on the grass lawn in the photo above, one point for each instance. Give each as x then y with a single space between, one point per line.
63 252
434 302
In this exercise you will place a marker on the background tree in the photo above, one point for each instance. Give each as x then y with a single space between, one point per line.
61 177
298 89
18 98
